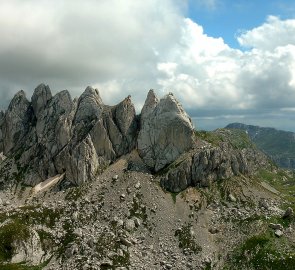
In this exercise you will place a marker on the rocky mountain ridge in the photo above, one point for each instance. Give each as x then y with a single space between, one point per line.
88 186
52 135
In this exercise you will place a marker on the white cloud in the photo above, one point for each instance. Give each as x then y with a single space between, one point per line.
270 35
127 47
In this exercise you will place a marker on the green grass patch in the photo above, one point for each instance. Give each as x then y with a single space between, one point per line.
187 240
263 252
10 234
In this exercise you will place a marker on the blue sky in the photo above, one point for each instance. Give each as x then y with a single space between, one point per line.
227 18
224 60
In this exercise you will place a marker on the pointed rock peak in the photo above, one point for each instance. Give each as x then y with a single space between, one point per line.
151 98
90 106
92 93
150 103
40 98
171 104
18 99
42 90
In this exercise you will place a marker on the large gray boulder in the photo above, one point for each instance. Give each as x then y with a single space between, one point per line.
166 131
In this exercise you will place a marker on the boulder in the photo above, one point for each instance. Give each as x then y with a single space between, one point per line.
166 131
288 213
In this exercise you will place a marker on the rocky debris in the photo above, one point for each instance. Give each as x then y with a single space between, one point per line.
288 213
166 131
279 233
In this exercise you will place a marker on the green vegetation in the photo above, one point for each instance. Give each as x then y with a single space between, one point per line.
281 180
75 193
262 252
209 137
107 243
238 139
174 196
187 240
10 234
20 266
278 144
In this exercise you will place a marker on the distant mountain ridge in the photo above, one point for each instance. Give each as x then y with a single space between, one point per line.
279 145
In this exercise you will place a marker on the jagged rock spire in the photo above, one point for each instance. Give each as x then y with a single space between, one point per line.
40 98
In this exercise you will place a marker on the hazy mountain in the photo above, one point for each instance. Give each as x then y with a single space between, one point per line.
277 144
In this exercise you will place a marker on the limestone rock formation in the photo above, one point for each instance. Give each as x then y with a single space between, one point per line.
41 96
28 250
166 131
16 122
1 133
204 165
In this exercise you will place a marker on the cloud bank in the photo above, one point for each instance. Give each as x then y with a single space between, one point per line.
127 47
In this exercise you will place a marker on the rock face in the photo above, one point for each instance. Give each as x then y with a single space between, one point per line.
79 138
29 250
166 131
16 122
1 133
54 134
209 163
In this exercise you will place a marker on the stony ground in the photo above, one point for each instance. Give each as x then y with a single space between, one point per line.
125 220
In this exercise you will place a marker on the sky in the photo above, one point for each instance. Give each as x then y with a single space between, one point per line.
225 61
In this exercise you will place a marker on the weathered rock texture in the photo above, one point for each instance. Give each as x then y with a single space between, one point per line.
166 131
208 163
54 134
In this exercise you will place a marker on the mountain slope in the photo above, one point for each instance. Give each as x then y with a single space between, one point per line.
113 190
277 144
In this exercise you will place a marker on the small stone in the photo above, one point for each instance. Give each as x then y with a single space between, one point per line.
137 185
6 203
232 198
122 197
278 233
213 230
115 177
129 225
106 263
276 226
126 242
137 221
288 213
